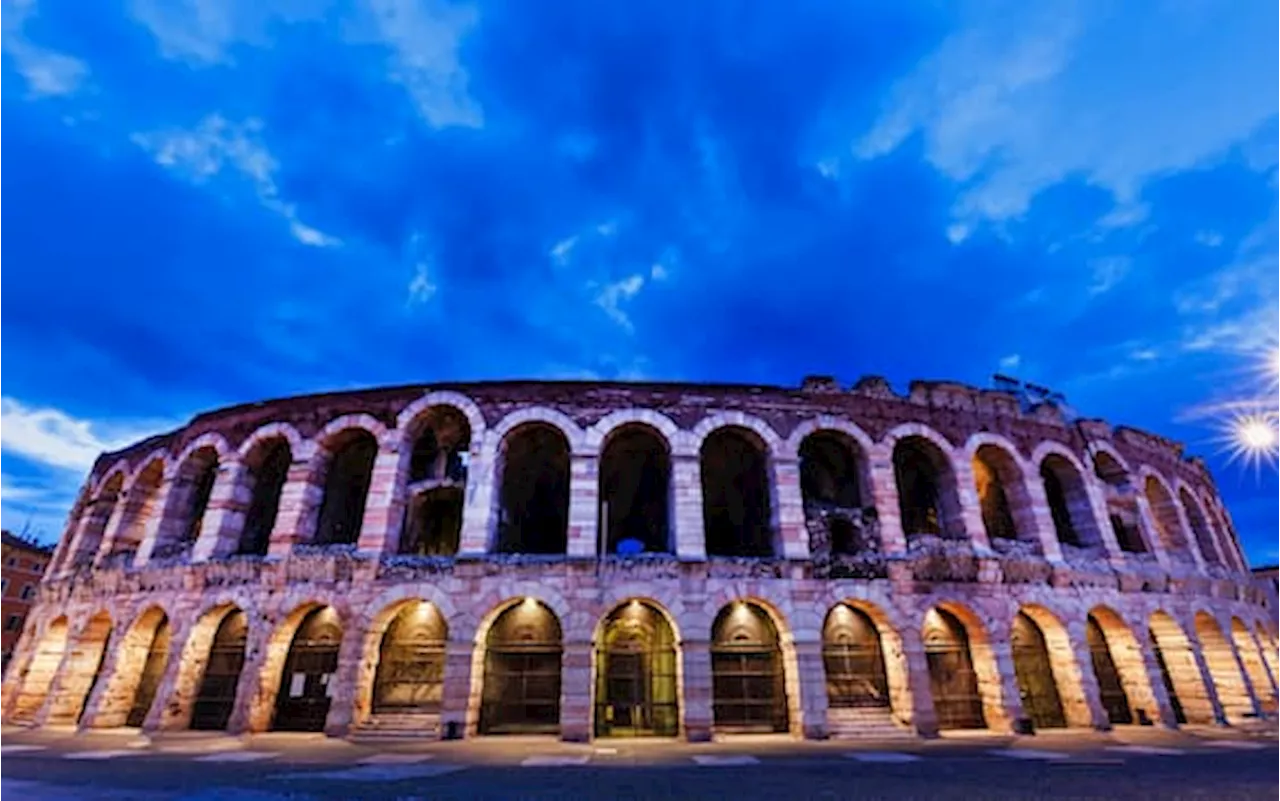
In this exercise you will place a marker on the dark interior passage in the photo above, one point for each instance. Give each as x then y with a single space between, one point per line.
737 513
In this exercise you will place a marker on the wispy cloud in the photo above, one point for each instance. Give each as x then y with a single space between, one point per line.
48 73
54 438
1107 273
421 287
203 32
609 297
217 145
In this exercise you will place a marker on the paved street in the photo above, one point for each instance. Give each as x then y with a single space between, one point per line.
1132 763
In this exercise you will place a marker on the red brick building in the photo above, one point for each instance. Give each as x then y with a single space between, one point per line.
23 565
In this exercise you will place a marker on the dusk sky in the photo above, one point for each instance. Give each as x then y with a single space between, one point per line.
215 202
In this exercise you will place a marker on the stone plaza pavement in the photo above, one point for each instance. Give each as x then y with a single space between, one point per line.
1240 761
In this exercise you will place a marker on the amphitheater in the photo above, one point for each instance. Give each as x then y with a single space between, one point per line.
589 560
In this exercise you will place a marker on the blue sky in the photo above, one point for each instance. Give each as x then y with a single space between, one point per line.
218 201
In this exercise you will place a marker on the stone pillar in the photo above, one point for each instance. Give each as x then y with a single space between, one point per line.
1086 711
793 536
1040 519
687 518
255 704
813 690
1097 491
970 507
117 519
923 716
695 657
300 500
1189 536
575 692
1252 692
456 693
89 533
159 527
1268 662
584 506
183 673
116 664
478 501
884 492
343 682
1155 678
1206 677
1001 695
1150 532
60 677
225 515
384 507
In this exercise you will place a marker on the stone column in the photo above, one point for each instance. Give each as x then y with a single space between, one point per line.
300 500
92 525
384 508
687 518
884 491
1040 519
225 515
159 527
456 693
176 695
1150 532
1007 711
342 684
1268 661
923 716
1097 491
1155 678
60 678
695 656
793 536
254 702
478 502
1087 711
575 692
116 520
584 506
1189 536
970 507
1206 676
813 690
1252 692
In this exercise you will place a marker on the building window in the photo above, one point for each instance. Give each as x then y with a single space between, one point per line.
4 584
27 591
13 623
12 561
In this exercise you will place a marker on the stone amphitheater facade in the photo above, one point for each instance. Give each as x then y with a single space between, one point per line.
612 559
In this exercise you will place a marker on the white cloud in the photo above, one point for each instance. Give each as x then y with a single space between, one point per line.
421 287
1010 362
54 438
562 250
1237 307
48 73
611 295
202 32
1108 272
658 272
1210 239
215 146
1026 95
957 233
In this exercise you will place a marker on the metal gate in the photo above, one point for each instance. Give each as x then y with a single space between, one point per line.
216 698
152 672
305 688
1178 714
952 680
853 660
1114 699
636 675
521 693
1040 699
748 689
410 675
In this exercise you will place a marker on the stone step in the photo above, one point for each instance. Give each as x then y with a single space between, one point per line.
865 723
398 726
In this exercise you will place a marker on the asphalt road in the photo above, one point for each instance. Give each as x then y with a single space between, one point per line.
1222 770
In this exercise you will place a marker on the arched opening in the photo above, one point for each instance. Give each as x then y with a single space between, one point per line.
927 499
521 689
267 467
1164 515
1069 504
736 503
997 478
436 483
1122 506
1204 538
748 686
216 697
141 507
38 677
833 488
348 474
533 511
953 681
1036 684
302 703
1255 665
636 680
1110 685
190 495
411 655
82 671
1220 657
853 661
1179 671
139 666
635 492
94 525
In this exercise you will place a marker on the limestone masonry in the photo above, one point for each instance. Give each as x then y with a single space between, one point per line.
608 559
